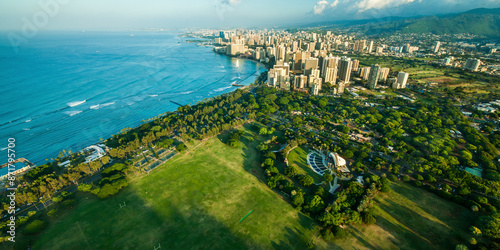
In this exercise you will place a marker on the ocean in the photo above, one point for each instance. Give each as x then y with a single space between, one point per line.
67 90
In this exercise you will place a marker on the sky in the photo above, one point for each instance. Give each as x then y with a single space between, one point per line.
147 14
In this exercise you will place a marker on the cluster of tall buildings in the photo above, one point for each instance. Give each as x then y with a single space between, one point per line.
303 61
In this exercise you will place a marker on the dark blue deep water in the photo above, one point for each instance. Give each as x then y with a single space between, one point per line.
68 90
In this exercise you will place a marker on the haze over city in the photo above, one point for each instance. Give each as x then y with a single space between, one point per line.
129 14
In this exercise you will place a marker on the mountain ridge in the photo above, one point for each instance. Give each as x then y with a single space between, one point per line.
480 21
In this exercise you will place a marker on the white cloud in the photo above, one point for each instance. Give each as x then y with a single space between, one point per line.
359 5
365 5
323 5
320 7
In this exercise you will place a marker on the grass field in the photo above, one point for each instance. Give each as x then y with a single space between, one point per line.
193 202
411 218
298 157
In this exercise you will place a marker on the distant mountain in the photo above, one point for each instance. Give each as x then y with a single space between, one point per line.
480 21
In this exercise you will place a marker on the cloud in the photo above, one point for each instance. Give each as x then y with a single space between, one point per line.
320 7
323 5
223 6
365 5
365 9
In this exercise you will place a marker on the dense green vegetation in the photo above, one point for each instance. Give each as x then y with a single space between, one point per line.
195 201
482 22
412 141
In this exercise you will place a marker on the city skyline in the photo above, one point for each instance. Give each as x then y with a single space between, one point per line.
155 14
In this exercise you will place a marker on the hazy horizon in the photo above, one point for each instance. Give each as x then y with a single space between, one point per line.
157 14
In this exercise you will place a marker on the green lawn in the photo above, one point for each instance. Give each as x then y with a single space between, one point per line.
298 157
411 218
193 202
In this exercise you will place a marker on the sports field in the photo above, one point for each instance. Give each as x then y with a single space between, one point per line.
193 202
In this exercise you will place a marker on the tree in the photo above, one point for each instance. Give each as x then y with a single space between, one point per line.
85 187
306 180
267 163
348 154
291 171
466 155
181 147
263 131
489 226
315 204
476 231
385 185
328 177
298 199
472 241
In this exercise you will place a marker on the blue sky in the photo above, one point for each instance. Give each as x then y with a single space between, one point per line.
135 14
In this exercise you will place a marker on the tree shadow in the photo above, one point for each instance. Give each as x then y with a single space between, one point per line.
416 230
103 224
291 235
428 205
360 236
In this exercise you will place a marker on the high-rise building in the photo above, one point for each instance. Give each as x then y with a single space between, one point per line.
370 47
364 73
316 86
280 53
270 51
300 82
402 79
355 65
379 50
436 46
345 69
472 64
235 49
312 46
315 73
278 77
374 76
393 82
331 75
329 62
285 67
257 53
310 64
359 45
340 88
295 46
384 73
406 48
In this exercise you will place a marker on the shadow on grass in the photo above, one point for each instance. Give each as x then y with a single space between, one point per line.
361 238
427 202
417 231
102 224
291 236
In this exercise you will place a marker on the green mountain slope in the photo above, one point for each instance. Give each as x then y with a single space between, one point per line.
486 24
482 21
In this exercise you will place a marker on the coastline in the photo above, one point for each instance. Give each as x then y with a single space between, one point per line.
77 149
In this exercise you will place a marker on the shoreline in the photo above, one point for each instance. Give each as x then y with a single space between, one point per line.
147 120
